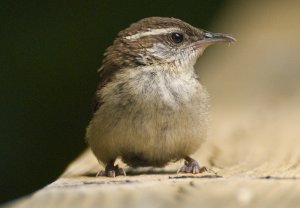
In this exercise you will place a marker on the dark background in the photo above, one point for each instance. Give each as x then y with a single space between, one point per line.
49 55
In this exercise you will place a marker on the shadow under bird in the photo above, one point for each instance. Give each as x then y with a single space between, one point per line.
150 107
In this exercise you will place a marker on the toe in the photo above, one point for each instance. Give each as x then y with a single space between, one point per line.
185 169
191 166
202 169
101 173
111 173
195 170
121 171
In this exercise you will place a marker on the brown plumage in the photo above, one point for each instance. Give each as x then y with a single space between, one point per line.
151 108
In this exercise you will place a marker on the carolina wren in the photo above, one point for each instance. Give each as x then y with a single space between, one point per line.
150 107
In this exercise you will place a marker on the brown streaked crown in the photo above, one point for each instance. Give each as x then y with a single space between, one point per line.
126 52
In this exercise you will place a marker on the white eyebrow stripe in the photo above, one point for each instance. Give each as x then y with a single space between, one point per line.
151 32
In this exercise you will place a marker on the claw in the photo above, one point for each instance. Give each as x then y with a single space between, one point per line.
121 171
111 171
191 166
100 173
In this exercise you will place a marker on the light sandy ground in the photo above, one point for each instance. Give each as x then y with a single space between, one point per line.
165 188
254 141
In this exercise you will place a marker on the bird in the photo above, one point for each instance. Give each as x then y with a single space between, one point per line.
150 107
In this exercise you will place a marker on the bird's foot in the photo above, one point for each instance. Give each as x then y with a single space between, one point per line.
111 171
191 166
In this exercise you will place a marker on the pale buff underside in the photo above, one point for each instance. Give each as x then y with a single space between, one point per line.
160 117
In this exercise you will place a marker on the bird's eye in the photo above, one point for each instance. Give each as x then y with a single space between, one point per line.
176 37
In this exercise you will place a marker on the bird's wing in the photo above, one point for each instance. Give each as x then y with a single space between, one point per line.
106 73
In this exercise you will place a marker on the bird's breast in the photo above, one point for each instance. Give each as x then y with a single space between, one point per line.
152 117
161 88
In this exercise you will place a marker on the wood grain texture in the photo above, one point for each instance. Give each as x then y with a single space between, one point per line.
78 187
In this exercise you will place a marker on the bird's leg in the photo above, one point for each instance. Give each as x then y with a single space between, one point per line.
111 170
191 166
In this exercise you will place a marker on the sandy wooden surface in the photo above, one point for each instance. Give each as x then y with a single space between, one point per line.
254 141
164 188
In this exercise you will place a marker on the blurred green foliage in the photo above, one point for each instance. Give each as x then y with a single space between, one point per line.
50 52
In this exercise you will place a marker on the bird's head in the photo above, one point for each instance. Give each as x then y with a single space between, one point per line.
161 41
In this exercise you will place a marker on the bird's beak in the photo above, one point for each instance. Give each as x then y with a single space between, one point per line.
212 38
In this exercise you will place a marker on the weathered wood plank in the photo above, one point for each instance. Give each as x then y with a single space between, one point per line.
78 187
